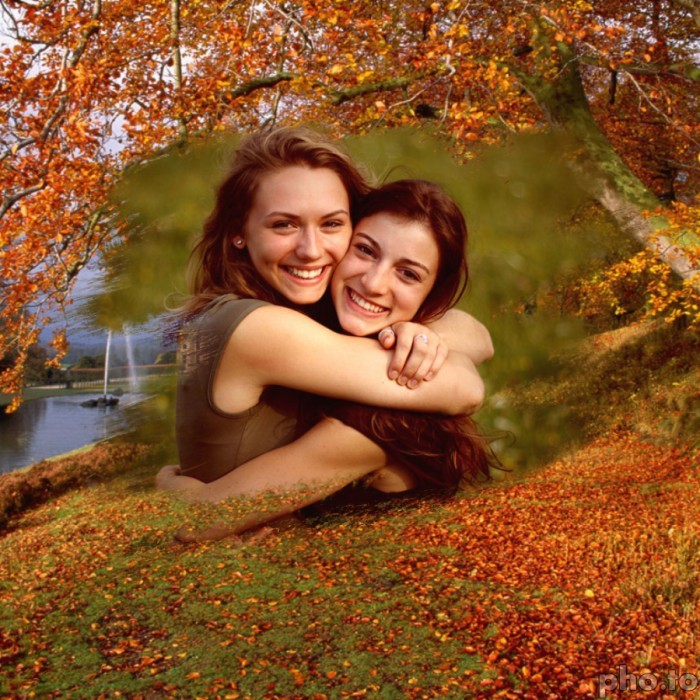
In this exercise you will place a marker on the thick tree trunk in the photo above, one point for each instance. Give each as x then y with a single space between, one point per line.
606 176
646 230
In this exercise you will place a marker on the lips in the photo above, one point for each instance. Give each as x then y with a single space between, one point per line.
365 304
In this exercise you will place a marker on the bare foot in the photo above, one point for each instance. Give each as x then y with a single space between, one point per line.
287 523
253 536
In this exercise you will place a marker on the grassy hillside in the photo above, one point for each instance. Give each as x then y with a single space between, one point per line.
529 587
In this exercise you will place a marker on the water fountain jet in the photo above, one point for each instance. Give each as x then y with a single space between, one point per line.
131 364
104 400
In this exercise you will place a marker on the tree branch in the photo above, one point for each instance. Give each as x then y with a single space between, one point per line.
227 97
177 64
658 111
50 125
10 200
407 101
290 18
338 97
693 6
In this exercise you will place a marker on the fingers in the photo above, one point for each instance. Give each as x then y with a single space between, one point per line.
387 337
403 346
439 361
419 353
419 361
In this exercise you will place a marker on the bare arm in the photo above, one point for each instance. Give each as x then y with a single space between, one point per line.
278 346
319 463
419 351
463 333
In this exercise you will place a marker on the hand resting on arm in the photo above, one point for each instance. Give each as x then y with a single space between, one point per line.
418 360
278 346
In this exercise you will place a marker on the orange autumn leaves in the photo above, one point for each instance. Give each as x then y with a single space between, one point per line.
522 590
581 567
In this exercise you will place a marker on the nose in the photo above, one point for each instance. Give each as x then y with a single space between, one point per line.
375 280
309 244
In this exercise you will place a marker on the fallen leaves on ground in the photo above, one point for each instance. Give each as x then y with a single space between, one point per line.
529 588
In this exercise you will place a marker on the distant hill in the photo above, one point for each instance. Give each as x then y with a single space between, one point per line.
146 345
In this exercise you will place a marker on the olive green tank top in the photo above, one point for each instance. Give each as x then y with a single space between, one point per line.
211 442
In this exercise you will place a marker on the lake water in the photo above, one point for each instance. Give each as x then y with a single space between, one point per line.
48 427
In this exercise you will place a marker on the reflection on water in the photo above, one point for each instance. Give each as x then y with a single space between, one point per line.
47 427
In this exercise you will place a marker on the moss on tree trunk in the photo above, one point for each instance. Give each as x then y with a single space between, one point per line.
605 174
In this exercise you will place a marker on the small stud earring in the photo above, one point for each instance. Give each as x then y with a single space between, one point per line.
239 242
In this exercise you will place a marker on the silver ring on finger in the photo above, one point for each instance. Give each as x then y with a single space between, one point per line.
423 338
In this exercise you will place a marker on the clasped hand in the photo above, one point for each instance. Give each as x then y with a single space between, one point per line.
419 352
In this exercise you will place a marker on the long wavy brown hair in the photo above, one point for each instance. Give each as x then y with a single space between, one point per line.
216 267
442 452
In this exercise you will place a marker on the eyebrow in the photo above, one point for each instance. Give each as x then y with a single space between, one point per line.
402 261
289 215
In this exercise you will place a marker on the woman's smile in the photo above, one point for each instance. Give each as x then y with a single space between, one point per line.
364 304
305 273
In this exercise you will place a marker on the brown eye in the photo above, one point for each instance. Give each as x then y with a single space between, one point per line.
410 275
364 249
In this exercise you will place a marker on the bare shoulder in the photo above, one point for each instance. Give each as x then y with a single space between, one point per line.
258 342
269 313
273 327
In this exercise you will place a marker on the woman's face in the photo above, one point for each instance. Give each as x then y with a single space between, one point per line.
386 274
298 229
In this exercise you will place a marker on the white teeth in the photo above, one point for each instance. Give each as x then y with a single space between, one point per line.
305 274
364 303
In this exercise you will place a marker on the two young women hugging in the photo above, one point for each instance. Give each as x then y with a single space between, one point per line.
319 346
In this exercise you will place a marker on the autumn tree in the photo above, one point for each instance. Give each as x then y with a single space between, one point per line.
89 89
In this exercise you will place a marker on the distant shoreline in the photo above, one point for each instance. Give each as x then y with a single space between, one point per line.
46 392
70 453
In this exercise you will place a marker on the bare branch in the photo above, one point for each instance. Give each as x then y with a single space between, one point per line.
53 121
407 101
290 18
10 200
250 87
658 111
251 15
